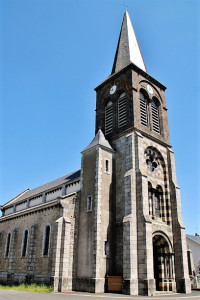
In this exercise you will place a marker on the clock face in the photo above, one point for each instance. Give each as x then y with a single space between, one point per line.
113 89
149 89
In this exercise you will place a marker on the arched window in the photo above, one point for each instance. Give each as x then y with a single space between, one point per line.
157 203
46 240
25 243
122 110
155 117
143 110
161 201
155 198
8 240
109 117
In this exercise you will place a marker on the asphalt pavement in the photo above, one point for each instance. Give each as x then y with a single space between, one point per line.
18 295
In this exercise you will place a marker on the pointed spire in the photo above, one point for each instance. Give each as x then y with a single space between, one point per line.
99 139
128 49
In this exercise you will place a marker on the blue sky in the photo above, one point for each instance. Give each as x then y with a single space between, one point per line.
53 53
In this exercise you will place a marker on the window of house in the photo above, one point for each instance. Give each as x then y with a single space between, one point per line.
109 117
89 203
107 166
189 263
155 117
46 240
122 110
8 240
143 110
25 243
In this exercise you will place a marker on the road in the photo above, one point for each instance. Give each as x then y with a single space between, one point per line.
18 295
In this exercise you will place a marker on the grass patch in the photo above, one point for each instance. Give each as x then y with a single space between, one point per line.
28 287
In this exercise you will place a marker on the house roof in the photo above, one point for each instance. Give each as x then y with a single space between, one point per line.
194 238
45 187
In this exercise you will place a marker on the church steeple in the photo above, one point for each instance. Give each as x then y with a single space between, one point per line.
130 98
128 49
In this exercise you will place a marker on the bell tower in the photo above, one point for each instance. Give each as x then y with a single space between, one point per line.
148 235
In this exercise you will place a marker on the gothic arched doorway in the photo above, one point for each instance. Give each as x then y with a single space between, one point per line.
163 257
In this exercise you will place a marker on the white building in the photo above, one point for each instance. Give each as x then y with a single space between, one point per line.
193 243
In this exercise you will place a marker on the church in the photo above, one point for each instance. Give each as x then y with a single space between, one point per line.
115 224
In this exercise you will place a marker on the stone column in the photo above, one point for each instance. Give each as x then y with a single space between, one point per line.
12 254
63 248
67 258
57 250
31 253
146 279
130 263
180 249
99 282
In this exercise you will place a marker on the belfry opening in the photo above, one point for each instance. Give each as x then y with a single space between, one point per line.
163 261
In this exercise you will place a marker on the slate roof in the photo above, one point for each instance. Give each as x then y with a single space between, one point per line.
99 139
128 49
194 238
47 186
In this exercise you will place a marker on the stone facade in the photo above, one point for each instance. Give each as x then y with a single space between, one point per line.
35 266
121 214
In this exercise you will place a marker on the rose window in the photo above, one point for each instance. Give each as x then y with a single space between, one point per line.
152 159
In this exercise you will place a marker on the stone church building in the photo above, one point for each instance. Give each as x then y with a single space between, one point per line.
117 217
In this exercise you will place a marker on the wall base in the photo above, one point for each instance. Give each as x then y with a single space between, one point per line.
130 287
18 278
147 287
184 285
91 285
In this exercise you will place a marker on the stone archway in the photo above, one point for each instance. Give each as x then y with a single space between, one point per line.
163 258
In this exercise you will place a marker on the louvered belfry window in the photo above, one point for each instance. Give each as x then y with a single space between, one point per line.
109 118
143 110
155 117
122 110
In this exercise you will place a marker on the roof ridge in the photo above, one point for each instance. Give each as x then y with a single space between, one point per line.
55 179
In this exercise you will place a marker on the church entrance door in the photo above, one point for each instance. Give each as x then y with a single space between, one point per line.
163 263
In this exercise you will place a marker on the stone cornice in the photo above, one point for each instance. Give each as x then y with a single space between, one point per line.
138 70
98 146
33 209
142 134
30 210
7 205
